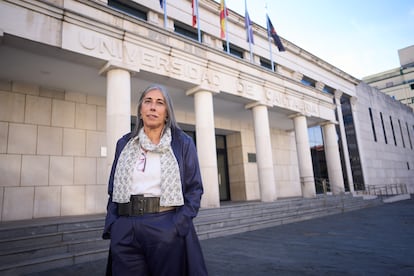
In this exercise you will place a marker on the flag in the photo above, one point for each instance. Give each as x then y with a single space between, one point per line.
164 7
223 15
271 32
249 27
194 6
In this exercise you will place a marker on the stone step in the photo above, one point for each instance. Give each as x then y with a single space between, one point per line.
43 244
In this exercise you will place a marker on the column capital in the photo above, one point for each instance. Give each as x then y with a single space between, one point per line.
330 122
256 104
338 94
353 100
114 64
201 88
293 116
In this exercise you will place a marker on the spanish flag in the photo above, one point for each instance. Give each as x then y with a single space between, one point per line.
223 15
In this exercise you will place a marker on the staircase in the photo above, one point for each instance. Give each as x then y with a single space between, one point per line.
43 244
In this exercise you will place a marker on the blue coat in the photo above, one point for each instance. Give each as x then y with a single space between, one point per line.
186 155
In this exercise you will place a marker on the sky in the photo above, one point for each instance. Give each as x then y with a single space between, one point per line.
360 37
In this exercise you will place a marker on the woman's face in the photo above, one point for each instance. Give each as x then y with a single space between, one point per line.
154 110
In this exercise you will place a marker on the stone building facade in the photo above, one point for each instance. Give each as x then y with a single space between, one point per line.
71 72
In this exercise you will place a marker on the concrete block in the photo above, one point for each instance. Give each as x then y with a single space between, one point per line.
85 116
38 110
22 139
63 114
12 107
74 142
4 133
10 167
35 170
18 203
61 170
85 170
49 140
47 201
73 200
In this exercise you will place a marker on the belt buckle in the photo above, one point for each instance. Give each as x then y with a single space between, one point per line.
138 206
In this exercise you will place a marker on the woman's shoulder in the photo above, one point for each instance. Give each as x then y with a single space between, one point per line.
125 138
179 134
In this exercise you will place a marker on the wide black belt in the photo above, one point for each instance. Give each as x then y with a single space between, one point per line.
140 205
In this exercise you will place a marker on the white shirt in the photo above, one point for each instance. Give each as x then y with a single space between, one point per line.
148 181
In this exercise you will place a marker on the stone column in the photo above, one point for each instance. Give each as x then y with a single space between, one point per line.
264 152
338 95
206 146
118 107
307 179
333 159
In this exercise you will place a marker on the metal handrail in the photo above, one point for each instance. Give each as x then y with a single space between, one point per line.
387 190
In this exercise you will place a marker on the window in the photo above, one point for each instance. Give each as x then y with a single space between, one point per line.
372 124
267 63
412 86
234 50
402 136
130 8
185 30
409 135
315 136
329 90
308 81
383 129
393 132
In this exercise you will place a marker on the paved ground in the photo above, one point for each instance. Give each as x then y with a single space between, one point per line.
374 241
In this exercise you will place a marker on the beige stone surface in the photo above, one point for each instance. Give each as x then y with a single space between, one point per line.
22 139
101 118
49 140
35 170
102 171
61 170
25 88
85 171
63 114
74 142
94 141
47 201
38 110
4 133
12 107
75 97
96 199
85 116
73 200
18 203
1 202
52 93
10 168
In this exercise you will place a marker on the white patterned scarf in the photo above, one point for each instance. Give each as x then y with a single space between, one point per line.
171 190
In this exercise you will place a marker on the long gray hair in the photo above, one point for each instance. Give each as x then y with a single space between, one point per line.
170 120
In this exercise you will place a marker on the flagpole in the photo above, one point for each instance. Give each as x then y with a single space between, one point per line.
225 22
165 13
198 22
248 31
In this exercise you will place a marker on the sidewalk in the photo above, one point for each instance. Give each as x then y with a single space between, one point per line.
373 241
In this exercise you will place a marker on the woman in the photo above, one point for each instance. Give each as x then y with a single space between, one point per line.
154 192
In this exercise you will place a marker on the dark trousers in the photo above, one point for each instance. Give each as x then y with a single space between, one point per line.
147 245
